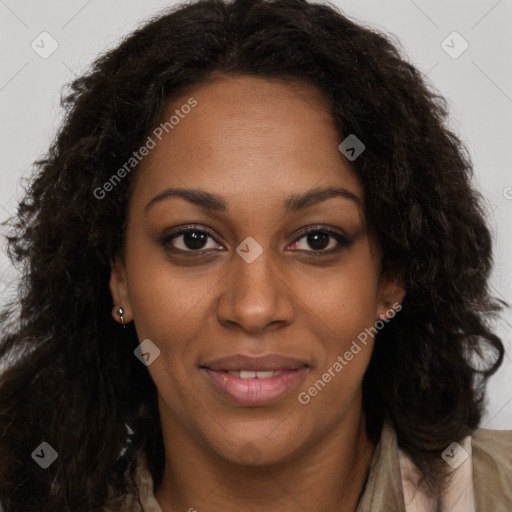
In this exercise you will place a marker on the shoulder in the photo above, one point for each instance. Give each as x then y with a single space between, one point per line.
492 469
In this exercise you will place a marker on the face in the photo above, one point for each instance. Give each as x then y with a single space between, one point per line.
246 236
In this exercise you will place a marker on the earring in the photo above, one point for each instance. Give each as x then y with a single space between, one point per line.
120 313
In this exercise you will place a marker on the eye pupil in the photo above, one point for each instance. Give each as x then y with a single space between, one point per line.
318 240
195 239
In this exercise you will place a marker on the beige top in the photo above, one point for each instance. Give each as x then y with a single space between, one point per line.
481 469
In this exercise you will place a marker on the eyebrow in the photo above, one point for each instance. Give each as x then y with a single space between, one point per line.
294 203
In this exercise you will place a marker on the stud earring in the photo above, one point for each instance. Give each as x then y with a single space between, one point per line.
120 313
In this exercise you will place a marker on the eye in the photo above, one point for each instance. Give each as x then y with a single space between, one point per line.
321 240
191 239
315 240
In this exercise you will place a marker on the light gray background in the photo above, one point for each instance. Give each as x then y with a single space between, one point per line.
478 85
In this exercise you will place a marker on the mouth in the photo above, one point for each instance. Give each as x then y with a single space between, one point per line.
254 381
249 374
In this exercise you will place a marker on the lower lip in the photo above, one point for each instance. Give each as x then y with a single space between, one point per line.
255 391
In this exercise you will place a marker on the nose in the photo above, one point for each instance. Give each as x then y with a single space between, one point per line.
254 296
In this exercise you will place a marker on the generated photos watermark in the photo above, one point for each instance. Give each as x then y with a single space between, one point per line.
143 151
341 361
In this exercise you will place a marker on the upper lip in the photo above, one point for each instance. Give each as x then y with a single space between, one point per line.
239 362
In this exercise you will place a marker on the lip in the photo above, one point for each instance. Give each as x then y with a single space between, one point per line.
255 391
237 362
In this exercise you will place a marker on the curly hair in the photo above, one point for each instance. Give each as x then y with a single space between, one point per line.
70 378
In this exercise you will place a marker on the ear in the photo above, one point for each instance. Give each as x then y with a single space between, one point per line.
390 296
119 290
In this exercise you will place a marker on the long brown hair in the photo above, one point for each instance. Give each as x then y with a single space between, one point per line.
70 377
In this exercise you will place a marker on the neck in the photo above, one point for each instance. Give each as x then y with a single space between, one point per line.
327 476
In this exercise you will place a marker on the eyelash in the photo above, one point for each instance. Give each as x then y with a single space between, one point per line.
342 240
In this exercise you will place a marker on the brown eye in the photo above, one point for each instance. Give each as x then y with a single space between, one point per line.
321 241
189 240
318 241
194 239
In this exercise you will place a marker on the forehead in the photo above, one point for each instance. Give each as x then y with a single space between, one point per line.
246 136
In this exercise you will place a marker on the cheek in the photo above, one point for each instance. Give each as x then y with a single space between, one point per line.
170 310
164 305
164 299
342 301
340 316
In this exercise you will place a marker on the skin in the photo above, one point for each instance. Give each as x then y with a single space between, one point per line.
254 142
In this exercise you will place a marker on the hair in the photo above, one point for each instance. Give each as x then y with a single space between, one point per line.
70 377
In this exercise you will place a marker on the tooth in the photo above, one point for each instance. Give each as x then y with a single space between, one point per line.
264 374
249 374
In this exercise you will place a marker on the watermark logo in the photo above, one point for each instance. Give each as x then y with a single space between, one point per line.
351 147
455 455
45 455
454 45
147 352
249 249
248 454
44 45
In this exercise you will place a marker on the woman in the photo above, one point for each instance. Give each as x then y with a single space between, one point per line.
265 199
